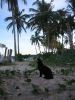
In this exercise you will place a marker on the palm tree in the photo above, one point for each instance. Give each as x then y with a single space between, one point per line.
12 5
36 40
40 16
70 26
70 21
33 42
62 23
71 6
19 22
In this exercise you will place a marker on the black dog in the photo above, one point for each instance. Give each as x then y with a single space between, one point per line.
44 70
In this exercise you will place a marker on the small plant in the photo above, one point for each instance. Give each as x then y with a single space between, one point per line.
33 64
19 57
62 87
1 81
7 72
65 71
2 92
35 89
28 80
2 73
46 90
26 74
13 72
70 82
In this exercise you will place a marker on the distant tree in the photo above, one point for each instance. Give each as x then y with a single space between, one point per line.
36 40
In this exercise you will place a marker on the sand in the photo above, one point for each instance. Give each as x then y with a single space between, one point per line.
18 87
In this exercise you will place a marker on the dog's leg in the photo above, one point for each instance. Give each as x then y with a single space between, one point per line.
40 74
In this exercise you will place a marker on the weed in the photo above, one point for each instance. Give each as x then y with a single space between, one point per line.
35 89
62 87
2 92
70 82
46 90
66 71
13 72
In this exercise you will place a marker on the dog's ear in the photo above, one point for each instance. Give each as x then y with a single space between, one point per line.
39 60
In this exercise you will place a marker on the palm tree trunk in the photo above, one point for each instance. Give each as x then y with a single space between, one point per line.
39 47
35 48
14 32
62 40
70 35
5 52
48 43
18 41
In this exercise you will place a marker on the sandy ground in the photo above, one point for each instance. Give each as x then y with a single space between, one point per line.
19 88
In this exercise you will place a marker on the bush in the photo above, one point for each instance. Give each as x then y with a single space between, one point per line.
67 57
19 57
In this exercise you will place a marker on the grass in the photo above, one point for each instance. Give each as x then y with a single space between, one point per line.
62 87
67 58
6 63
8 73
2 92
66 71
35 89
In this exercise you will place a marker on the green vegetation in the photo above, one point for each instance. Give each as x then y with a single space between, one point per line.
66 71
6 63
8 73
21 57
66 86
2 92
35 89
67 58
62 87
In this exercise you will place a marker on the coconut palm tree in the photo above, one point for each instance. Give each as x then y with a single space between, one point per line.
70 20
40 16
70 27
19 23
36 40
33 42
62 22
71 6
12 5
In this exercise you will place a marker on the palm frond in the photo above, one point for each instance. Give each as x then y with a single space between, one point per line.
10 25
36 2
25 2
33 10
8 18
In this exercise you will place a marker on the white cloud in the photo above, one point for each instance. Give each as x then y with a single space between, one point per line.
58 3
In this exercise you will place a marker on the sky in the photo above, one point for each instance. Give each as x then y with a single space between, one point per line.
6 36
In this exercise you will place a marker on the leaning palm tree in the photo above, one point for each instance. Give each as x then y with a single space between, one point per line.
19 23
12 5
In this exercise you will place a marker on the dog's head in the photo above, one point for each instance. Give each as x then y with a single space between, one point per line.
39 61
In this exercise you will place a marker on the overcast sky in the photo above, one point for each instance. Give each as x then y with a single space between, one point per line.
6 37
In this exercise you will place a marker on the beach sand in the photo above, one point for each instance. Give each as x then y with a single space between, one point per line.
17 87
